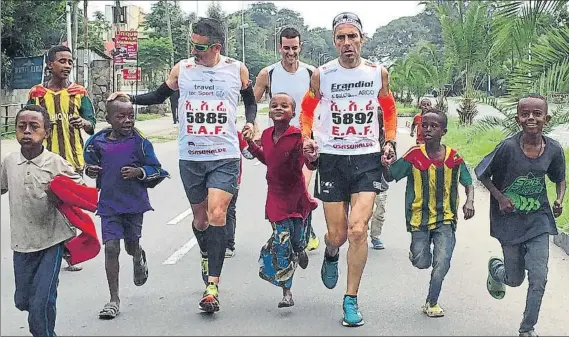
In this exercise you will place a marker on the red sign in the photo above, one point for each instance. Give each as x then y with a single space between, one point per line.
131 74
126 47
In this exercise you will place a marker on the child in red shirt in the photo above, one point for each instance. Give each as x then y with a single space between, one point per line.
424 106
288 201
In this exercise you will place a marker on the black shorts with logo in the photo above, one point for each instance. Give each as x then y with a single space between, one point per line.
340 176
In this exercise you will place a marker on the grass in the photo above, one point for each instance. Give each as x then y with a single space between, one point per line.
473 147
403 111
146 117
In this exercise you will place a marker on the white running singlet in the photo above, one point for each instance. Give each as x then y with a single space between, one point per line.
294 84
349 109
207 110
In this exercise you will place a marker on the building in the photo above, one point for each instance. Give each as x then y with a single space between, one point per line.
133 19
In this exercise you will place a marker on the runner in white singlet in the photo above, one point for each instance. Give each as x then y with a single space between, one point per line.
292 77
348 92
209 154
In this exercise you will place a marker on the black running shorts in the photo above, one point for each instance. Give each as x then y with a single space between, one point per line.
340 176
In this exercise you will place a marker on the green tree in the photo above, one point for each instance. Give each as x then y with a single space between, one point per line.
465 28
96 30
29 28
155 23
153 54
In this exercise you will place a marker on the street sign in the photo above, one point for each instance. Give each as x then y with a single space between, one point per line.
131 74
126 47
27 72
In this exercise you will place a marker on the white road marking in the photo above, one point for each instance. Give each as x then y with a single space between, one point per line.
403 130
180 217
181 252
257 163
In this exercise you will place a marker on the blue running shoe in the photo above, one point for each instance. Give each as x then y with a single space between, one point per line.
352 315
329 272
377 244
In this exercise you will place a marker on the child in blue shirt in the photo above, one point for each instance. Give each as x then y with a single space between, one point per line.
125 166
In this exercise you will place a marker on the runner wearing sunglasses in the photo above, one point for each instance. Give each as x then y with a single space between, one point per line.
292 77
349 91
209 85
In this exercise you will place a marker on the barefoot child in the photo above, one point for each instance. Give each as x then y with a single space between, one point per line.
520 214
38 230
124 164
288 202
433 172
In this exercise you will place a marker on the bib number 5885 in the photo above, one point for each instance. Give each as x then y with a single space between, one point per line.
209 118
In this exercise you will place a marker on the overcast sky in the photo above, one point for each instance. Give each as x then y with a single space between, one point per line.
316 13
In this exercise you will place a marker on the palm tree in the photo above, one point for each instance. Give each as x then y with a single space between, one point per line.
464 26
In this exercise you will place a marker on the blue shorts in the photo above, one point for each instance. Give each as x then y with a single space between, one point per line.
37 277
122 226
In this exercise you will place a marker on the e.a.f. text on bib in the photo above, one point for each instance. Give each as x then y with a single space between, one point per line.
349 109
208 110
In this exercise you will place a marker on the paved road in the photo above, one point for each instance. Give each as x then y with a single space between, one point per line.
392 291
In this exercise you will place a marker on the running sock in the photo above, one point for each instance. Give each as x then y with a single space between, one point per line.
216 249
201 237
331 258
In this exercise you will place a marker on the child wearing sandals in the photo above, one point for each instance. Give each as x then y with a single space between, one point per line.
38 230
433 171
288 202
521 218
125 166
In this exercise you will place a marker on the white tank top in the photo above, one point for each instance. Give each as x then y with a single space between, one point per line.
349 109
207 110
294 84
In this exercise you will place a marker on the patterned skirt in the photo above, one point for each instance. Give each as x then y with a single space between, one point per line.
279 259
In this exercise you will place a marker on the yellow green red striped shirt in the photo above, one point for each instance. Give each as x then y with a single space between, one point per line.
431 196
65 140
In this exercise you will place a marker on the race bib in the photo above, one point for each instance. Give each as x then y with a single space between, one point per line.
206 117
353 117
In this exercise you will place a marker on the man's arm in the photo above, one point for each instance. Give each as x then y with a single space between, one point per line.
387 103
248 97
309 104
159 95
261 84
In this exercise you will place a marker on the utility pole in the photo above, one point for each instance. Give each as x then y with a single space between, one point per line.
169 24
117 20
74 35
85 46
69 32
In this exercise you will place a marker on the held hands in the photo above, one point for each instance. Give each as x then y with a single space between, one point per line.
93 171
310 149
387 159
388 156
248 131
557 208
130 173
468 209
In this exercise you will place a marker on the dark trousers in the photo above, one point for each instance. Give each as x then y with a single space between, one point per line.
37 277
231 222
533 256
443 240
